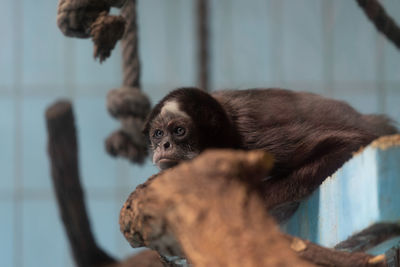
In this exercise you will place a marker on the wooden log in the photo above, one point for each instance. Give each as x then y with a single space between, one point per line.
63 152
322 256
209 211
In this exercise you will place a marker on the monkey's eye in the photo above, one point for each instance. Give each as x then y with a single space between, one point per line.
179 131
158 133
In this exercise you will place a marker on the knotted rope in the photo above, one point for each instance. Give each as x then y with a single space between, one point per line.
128 103
90 18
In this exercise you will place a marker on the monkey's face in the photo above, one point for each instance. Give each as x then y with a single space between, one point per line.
172 136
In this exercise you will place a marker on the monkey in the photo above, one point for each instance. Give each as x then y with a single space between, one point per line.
308 135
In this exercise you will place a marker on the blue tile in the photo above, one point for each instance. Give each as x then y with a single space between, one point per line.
135 174
153 41
68 260
181 44
90 74
166 46
361 96
312 87
94 125
7 233
35 162
7 51
43 45
251 28
221 49
104 217
7 143
354 55
393 100
302 44
44 240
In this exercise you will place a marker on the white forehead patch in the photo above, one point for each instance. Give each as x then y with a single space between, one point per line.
173 107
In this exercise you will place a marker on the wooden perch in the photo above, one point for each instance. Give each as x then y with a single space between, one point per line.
208 211
322 256
63 152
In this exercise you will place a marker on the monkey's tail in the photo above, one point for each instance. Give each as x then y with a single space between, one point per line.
381 124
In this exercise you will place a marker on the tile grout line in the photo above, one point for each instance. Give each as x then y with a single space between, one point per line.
328 38
380 73
69 70
277 50
18 186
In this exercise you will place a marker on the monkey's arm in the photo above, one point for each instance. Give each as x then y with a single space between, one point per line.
313 161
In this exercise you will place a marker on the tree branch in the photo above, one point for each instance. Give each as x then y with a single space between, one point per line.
209 211
63 152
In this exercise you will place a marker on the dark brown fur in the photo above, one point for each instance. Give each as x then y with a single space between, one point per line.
310 136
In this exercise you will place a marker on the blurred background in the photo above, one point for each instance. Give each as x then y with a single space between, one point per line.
324 46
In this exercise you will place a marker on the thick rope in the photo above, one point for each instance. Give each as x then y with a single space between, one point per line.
129 43
382 21
128 103
90 18
203 49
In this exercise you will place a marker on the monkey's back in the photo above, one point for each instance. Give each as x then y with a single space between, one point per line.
298 126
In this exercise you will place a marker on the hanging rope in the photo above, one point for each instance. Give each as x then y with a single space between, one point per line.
128 103
202 33
90 18
382 21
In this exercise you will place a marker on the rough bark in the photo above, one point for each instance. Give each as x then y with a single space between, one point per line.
63 152
322 256
209 211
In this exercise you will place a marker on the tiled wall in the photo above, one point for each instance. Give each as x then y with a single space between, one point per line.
326 46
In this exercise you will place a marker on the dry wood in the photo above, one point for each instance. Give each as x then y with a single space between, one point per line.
63 152
208 211
204 211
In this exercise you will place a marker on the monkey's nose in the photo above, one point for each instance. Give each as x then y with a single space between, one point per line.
167 145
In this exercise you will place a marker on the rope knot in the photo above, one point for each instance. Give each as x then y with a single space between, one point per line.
131 107
90 18
105 32
128 101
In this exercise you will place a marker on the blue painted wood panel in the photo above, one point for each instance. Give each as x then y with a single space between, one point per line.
361 193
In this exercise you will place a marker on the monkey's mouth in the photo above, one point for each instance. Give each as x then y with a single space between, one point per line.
165 163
